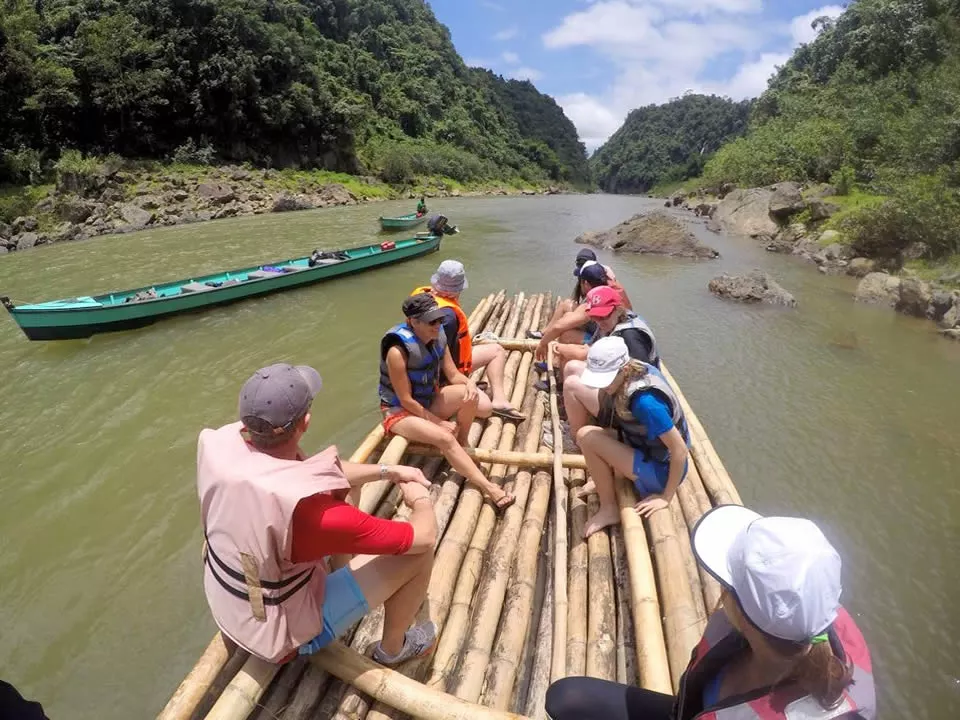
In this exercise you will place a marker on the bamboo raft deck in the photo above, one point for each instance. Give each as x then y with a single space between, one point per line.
519 601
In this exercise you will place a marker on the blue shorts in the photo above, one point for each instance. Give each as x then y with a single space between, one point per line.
343 607
651 475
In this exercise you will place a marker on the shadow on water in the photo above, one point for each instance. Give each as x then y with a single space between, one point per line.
843 413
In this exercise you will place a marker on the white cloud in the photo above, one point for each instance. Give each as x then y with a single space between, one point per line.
661 49
508 33
511 58
801 28
524 73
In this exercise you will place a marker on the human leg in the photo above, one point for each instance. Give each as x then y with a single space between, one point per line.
494 359
604 455
450 401
585 698
581 402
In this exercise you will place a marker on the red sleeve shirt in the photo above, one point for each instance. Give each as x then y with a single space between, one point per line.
324 525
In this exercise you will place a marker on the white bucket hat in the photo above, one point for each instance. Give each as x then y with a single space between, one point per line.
784 572
606 358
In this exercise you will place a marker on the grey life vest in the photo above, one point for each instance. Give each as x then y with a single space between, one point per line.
423 365
635 322
633 432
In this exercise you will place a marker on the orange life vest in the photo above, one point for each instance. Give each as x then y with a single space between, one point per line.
464 342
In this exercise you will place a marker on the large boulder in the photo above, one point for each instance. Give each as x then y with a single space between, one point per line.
953 333
73 209
725 189
705 209
747 212
861 267
24 224
940 303
336 194
754 287
820 210
216 193
27 240
879 289
653 234
915 297
951 318
136 217
289 203
5 231
786 201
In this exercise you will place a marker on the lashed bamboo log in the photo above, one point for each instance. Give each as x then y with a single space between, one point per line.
331 701
195 685
398 691
558 666
515 621
241 696
533 706
301 703
577 585
715 477
472 560
689 562
626 643
277 698
681 624
652 663
601 620
510 457
499 560
543 584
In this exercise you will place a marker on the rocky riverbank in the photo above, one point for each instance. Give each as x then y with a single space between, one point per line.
789 218
77 208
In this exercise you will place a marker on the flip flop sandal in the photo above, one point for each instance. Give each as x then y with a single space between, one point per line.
509 414
506 502
534 335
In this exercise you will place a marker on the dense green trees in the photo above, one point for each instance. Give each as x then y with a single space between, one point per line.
665 143
328 83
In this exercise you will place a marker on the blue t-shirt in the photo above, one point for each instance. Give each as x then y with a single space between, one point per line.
653 412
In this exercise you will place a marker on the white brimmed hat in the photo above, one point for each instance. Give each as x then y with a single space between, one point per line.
606 358
784 572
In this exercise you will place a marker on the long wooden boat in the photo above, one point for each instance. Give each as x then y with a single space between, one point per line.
81 317
402 222
520 600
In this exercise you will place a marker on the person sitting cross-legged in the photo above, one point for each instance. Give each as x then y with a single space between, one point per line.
413 357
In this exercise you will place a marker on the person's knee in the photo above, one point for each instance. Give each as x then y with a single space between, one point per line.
566 305
587 435
446 442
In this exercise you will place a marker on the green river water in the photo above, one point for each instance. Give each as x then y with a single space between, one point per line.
846 414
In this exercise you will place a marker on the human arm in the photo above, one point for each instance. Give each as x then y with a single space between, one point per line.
455 377
572 320
569 351
397 370
654 413
361 473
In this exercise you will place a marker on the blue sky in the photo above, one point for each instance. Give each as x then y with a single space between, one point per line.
602 58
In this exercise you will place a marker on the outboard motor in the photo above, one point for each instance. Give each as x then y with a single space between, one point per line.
436 224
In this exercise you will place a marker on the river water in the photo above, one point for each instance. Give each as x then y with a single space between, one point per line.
845 414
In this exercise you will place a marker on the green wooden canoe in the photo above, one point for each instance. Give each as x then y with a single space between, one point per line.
82 317
403 222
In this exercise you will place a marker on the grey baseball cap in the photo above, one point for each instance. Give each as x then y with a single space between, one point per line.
277 396
450 277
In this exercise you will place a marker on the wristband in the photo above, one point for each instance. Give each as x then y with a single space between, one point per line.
425 497
384 472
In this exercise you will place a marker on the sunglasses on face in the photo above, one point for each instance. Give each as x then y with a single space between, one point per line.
434 323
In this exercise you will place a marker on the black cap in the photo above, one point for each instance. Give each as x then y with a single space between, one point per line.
593 274
582 257
423 307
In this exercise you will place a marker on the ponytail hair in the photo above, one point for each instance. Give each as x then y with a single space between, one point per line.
633 370
818 672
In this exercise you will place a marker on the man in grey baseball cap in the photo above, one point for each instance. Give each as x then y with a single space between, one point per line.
272 516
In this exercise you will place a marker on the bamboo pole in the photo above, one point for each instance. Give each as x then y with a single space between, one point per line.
577 585
652 662
533 706
626 635
542 594
306 694
714 474
601 620
277 698
195 685
510 457
681 624
397 690
515 621
331 701
241 696
689 562
558 666
692 510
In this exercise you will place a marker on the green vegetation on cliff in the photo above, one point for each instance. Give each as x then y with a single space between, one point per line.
874 101
667 143
345 85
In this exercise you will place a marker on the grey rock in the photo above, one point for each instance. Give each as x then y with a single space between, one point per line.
915 297
216 193
950 278
75 210
793 233
705 209
676 200
3 250
725 189
655 233
916 251
754 287
46 205
779 246
951 318
136 217
5 230
879 289
820 210
27 223
180 195
953 333
713 226
940 302
240 175
27 240
861 267
148 202
66 232
823 191
111 195
591 237
204 215
786 200
829 237
668 203
337 194
747 212
226 211
289 203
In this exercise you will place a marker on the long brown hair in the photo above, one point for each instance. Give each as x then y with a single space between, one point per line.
633 370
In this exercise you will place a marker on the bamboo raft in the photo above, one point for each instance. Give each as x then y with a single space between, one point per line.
518 601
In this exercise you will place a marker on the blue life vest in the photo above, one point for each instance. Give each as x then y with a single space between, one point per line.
424 364
633 432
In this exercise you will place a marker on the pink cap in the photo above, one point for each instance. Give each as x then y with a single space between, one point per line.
603 300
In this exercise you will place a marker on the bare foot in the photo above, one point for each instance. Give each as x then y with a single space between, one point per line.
604 517
587 489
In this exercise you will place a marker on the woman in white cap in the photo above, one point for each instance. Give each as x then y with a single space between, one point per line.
649 442
780 648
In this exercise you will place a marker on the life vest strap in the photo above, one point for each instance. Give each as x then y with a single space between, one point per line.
251 573
304 577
